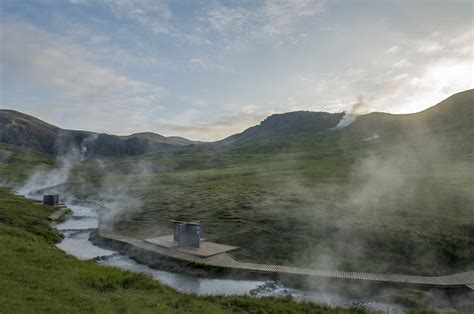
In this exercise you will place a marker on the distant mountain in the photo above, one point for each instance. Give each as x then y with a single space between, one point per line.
455 114
172 140
277 125
22 130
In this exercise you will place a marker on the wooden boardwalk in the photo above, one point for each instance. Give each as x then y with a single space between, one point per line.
459 280
61 210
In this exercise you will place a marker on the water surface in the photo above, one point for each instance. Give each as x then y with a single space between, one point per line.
77 228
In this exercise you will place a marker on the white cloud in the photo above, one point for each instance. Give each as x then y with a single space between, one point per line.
152 14
200 103
204 64
393 49
60 68
214 130
430 47
273 20
79 2
259 57
403 63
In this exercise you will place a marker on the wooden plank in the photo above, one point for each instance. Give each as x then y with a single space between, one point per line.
58 214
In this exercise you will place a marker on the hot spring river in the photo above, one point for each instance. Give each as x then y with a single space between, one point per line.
77 228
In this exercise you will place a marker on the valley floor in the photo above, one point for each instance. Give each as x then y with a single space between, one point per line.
35 276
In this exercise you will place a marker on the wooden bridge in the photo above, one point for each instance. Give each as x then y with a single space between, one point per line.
460 280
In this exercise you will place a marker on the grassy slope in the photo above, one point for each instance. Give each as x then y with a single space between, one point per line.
35 276
399 203
16 163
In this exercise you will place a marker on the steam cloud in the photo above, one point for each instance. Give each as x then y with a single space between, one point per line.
43 179
107 183
358 108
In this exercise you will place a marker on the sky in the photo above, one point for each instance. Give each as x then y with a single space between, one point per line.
207 69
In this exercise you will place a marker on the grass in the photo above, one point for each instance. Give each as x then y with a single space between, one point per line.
334 200
327 200
401 203
35 276
16 163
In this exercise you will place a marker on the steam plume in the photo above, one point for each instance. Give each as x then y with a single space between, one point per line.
358 108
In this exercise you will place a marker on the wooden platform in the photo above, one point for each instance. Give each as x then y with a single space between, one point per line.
460 280
206 248
166 241
59 213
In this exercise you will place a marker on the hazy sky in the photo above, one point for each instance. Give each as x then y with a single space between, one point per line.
207 69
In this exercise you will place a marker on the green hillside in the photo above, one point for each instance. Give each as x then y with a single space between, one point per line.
388 193
16 163
35 276
25 131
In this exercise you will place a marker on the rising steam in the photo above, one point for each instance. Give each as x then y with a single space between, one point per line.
42 178
350 116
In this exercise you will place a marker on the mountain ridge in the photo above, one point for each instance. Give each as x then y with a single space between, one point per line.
281 124
20 129
23 130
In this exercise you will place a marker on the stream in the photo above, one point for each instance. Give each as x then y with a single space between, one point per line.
78 226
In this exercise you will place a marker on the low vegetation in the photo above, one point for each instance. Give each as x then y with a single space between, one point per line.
324 200
35 276
16 163
387 194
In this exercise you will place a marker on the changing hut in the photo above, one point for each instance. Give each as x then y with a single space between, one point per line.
186 238
187 234
51 199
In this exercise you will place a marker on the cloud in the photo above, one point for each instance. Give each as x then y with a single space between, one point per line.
393 49
272 20
403 63
213 131
79 2
204 64
400 80
42 59
437 70
154 15
216 22
60 68
103 65
430 47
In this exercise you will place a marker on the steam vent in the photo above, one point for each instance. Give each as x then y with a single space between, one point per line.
51 199
186 238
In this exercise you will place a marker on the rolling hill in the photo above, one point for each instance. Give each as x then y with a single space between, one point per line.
453 114
22 130
386 193
291 123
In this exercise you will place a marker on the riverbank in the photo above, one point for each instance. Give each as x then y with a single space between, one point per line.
36 276
189 274
213 275
149 253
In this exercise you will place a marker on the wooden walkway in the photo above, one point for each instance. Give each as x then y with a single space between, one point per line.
61 210
225 261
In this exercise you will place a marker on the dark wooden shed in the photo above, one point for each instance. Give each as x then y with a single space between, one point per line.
51 199
187 234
